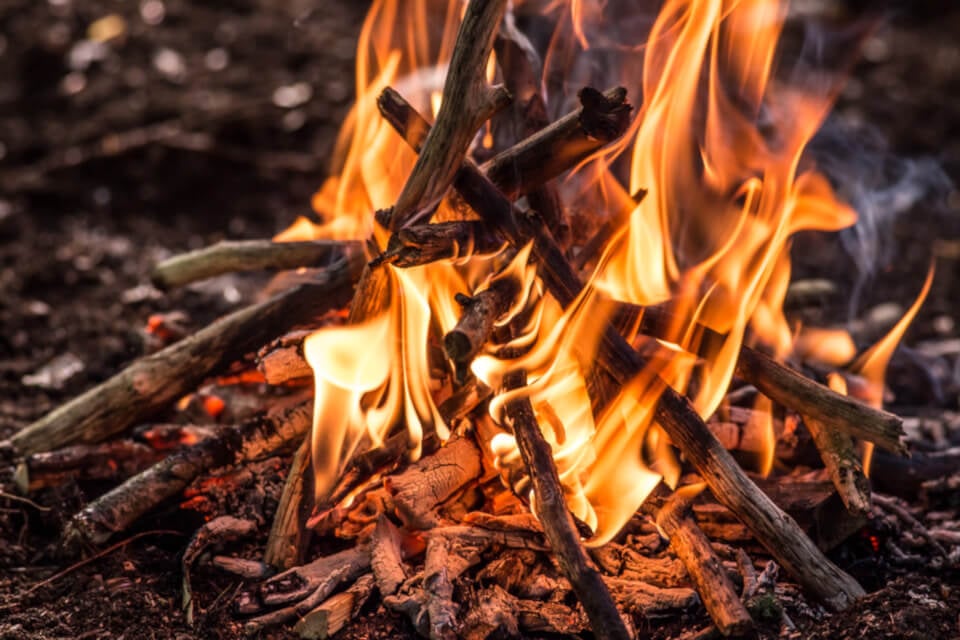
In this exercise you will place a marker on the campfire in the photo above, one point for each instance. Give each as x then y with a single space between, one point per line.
531 359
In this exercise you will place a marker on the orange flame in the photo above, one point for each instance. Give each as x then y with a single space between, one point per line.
718 146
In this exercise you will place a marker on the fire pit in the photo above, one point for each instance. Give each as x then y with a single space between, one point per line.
540 365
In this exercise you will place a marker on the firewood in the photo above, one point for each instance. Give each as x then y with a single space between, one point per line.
433 479
649 601
627 563
446 558
280 428
688 542
288 539
425 243
410 600
282 360
675 415
302 588
218 530
242 567
479 313
494 613
386 557
248 255
842 461
334 614
153 382
558 524
820 403
510 538
105 461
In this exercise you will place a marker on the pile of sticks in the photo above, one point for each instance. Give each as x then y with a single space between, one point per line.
523 565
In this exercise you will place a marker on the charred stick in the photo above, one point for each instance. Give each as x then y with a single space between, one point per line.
281 428
386 557
842 461
248 255
289 537
685 428
282 360
688 542
104 461
476 323
151 383
425 243
558 524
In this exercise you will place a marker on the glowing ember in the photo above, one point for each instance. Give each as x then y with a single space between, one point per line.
717 144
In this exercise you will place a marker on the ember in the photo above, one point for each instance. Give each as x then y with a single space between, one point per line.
543 313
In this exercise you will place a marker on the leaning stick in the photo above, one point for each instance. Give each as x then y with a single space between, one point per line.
247 255
777 531
289 536
425 243
152 383
820 403
281 428
480 312
689 543
558 524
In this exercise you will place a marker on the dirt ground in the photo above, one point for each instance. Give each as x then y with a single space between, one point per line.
174 136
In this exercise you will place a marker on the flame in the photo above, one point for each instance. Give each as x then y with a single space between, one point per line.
718 146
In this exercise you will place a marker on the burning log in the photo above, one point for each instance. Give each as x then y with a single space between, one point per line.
425 243
480 311
433 479
249 255
334 614
153 382
282 361
779 533
693 548
386 557
558 524
117 509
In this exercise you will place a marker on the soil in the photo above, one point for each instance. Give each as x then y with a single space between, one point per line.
174 136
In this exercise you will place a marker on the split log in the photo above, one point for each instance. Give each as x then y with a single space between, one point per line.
289 536
249 255
433 479
334 614
820 403
302 589
682 424
386 557
283 361
151 383
280 428
425 243
688 542
558 524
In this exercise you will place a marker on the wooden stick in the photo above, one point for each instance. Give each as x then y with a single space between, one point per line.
105 461
480 311
117 509
468 102
604 117
288 539
693 548
842 461
820 403
425 243
686 429
282 360
557 522
248 255
334 614
386 557
153 382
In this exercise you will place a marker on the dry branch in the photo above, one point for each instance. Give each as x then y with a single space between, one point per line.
693 548
425 243
480 312
281 428
104 461
153 382
248 255
820 403
558 524
684 427
842 461
282 360
386 557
